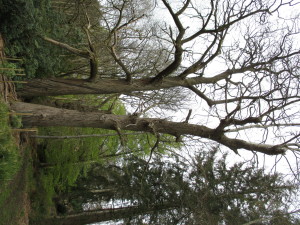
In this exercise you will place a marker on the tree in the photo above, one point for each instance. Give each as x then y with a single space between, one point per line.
164 192
39 115
255 87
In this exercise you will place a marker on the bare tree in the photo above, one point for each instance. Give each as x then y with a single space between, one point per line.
239 57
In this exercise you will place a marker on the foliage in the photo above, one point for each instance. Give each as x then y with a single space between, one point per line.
10 66
63 161
66 160
72 157
235 194
210 192
23 22
15 121
215 192
173 54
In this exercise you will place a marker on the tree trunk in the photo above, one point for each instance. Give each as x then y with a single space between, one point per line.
60 86
39 115
102 215
80 136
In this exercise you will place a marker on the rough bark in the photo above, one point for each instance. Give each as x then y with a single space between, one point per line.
60 86
80 136
102 215
39 115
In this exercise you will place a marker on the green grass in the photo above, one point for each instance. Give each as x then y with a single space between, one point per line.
12 183
9 156
13 201
13 195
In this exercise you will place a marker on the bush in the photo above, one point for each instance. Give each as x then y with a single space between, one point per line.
7 69
23 22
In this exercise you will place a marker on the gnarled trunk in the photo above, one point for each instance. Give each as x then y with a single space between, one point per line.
59 86
39 115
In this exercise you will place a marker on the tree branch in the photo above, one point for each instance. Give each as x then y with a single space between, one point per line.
177 44
84 54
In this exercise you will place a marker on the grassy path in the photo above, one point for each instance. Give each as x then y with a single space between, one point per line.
15 207
15 160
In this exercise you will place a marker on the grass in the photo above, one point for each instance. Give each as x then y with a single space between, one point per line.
12 173
13 200
9 155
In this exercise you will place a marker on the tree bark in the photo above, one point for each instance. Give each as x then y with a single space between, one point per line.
39 115
80 136
60 86
102 215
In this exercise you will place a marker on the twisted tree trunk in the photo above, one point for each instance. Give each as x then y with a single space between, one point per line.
39 115
60 86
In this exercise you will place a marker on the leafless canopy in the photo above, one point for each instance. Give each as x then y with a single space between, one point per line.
239 57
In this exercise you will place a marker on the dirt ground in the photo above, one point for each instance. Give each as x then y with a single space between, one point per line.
18 198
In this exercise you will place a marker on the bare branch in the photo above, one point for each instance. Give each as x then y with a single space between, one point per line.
82 53
177 45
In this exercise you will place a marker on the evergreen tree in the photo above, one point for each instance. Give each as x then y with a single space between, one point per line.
208 191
